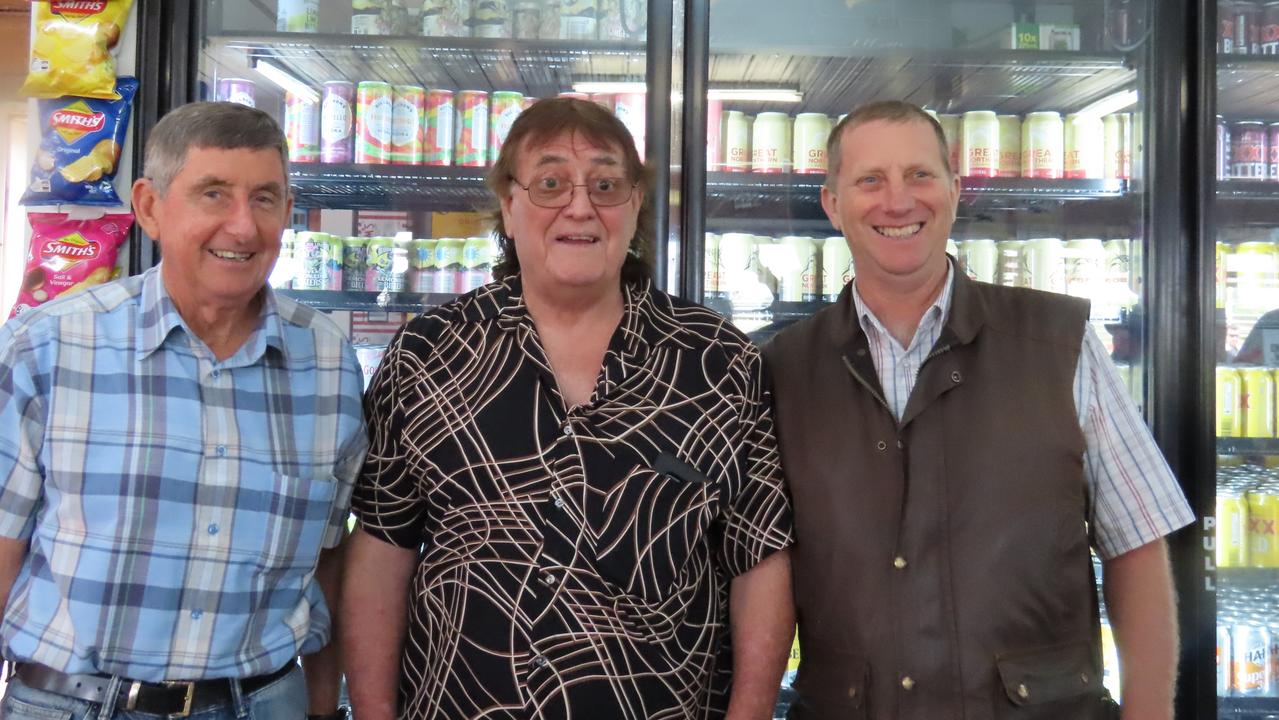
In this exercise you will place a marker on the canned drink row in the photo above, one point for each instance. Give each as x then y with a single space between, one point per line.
520 19
770 142
1247 516
1247 27
1246 401
1247 660
1247 150
755 270
1041 145
1085 267
322 261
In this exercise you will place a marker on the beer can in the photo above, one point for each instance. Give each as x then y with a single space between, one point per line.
809 149
526 19
737 262
477 263
355 255
388 264
490 19
980 154
1247 20
608 21
1226 27
1042 137
1127 130
1223 661
1011 269
438 134
1009 146
1252 660
711 266
367 17
1085 268
1232 527
301 128
1263 519
1223 149
504 107
950 125
979 258
837 267
373 118
1045 263
770 152
737 141
1113 147
1258 402
578 20
630 109
714 134
1229 402
805 254
337 122
448 265
297 16
421 276
445 18
550 22
471 108
319 261
1084 146
1272 152
284 270
237 90
1248 151
407 124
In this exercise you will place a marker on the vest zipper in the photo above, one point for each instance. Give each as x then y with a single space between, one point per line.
874 393
933 354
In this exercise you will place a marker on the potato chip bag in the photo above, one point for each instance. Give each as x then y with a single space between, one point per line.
80 141
71 52
67 256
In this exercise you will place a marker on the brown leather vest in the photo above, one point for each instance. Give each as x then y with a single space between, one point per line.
942 567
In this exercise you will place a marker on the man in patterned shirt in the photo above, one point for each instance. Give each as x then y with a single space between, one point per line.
954 449
177 459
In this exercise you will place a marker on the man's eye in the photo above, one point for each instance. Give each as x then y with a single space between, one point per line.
868 180
213 194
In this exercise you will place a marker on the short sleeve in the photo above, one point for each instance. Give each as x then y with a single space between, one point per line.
21 407
352 442
757 519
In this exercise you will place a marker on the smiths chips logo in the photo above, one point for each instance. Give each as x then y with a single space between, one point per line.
77 7
76 120
69 250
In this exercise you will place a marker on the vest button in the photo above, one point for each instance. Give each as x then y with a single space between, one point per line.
899 562
955 376
908 684
881 446
1083 678
900 445
852 692
1023 692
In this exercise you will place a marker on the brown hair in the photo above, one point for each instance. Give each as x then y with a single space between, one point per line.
897 111
546 120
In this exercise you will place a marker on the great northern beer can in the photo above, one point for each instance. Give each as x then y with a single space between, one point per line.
445 18
737 141
1229 402
437 125
770 152
951 130
711 270
1009 146
504 107
1232 527
1042 139
1248 152
1045 263
579 19
980 145
337 122
979 257
1114 146
471 110
808 150
1258 402
837 267
407 122
1084 147
374 103
1011 268
1086 268
301 128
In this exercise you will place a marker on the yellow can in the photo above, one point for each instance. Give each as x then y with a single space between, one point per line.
1258 402
1232 528
1229 402
1263 520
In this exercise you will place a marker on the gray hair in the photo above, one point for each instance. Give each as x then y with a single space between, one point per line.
218 125
894 111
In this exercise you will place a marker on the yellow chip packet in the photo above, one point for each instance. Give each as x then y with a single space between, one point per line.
71 54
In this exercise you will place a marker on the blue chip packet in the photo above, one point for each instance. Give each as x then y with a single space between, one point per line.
79 150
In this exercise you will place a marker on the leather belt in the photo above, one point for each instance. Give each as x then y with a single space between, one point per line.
173 698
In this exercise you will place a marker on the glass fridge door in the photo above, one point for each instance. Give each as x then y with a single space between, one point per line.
1043 105
1246 238
394 109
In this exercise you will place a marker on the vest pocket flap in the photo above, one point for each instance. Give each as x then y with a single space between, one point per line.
831 681
1048 674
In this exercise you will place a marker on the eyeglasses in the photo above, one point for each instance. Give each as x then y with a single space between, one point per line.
557 192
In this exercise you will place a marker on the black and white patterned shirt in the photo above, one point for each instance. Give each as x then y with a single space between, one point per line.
575 562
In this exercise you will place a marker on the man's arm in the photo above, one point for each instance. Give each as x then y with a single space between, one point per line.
323 669
1142 609
375 618
12 553
762 613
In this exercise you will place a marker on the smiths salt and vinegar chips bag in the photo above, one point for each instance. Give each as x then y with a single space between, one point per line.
71 53
80 140
67 256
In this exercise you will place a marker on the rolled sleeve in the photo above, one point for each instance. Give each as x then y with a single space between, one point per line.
21 407
354 444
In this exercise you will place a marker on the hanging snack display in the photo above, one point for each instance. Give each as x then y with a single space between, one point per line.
67 256
71 52
80 149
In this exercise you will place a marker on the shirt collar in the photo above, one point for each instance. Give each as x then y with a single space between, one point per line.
937 312
159 317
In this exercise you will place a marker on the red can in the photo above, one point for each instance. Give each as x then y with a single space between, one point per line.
1247 21
1269 30
1223 149
1272 152
1226 25
1248 152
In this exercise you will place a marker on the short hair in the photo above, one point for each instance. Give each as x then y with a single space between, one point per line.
895 111
217 125
543 122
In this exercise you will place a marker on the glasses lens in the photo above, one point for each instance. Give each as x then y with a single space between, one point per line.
550 191
609 191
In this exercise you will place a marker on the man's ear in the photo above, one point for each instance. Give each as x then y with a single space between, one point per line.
830 203
147 208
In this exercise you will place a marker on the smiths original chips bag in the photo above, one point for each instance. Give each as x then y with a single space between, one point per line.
71 53
80 149
67 256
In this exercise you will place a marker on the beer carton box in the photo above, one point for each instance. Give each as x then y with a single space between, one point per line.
1059 37
1022 36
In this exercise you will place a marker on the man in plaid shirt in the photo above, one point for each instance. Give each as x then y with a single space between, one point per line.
177 459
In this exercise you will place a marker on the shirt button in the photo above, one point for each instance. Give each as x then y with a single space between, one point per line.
899 562
908 684
568 429
213 528
539 661
197 614
548 578
220 450
216 374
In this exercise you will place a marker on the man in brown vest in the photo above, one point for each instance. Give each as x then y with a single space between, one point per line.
954 449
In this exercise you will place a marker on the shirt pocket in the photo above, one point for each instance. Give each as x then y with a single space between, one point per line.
650 528
283 519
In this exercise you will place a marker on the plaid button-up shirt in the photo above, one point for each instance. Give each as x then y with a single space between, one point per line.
175 504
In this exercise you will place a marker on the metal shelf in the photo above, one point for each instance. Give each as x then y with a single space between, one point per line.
1247 446
368 301
1246 708
1244 578
400 187
1248 87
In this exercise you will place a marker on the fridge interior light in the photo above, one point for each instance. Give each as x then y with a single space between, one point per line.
610 87
742 94
1114 102
286 80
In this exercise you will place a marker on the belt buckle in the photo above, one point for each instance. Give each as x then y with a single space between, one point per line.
186 703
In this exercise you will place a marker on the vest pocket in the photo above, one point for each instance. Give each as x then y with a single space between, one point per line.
830 684
1056 681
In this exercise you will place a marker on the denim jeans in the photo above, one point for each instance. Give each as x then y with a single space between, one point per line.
284 699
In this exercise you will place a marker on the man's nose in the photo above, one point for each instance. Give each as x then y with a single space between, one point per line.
898 197
579 201
239 219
